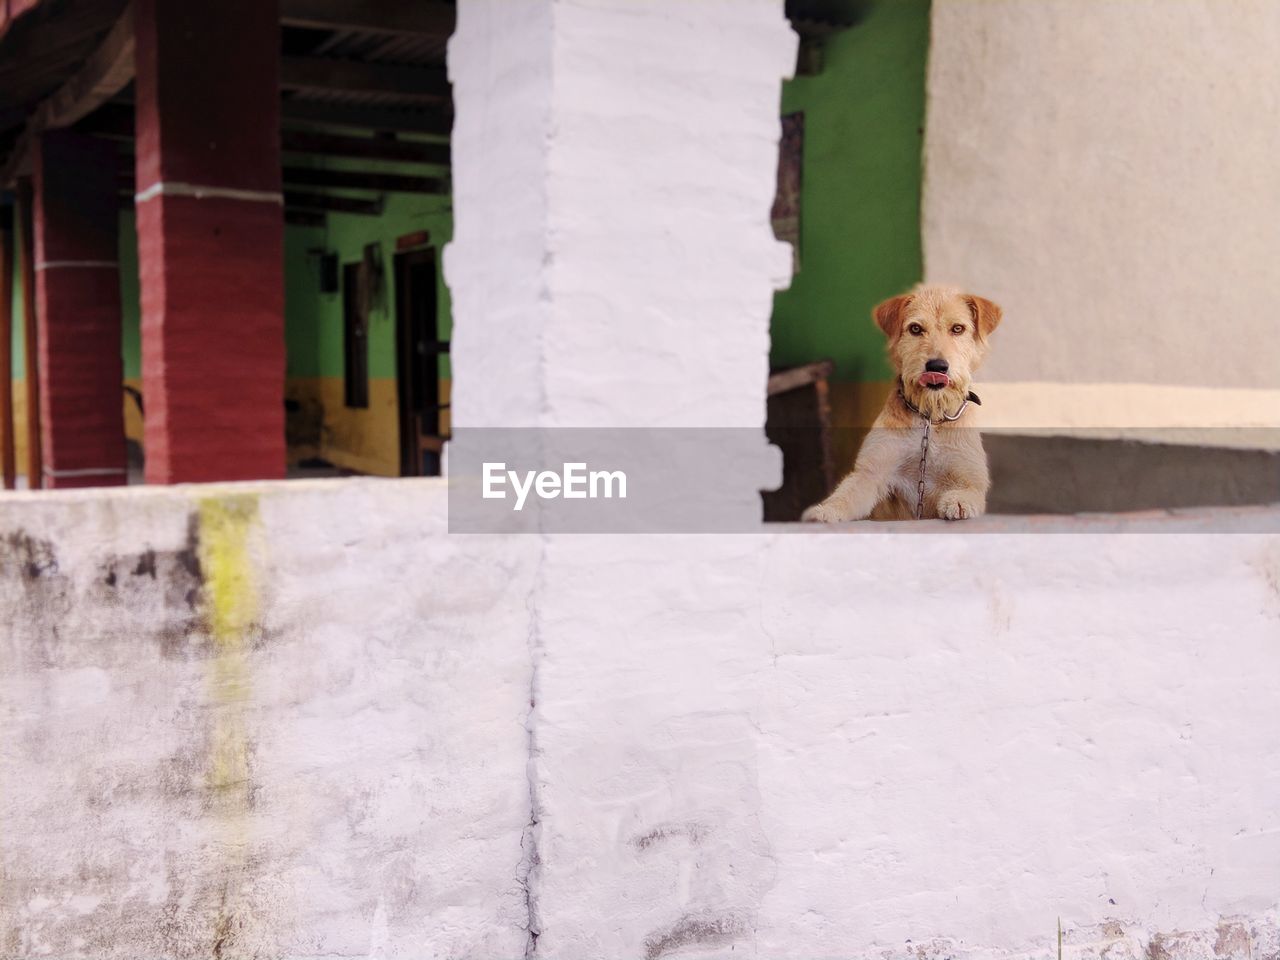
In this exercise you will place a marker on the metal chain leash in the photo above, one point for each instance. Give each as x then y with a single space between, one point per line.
924 457
924 441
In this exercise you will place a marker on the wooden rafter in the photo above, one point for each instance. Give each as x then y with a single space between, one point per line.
429 18
365 148
350 76
116 120
318 178
435 123
294 200
363 180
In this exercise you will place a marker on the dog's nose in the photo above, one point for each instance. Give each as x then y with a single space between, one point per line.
937 366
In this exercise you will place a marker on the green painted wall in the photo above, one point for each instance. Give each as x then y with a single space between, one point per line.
860 192
16 305
303 301
130 305
313 321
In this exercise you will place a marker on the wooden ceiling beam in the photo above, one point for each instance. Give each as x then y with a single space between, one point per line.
337 180
435 123
349 76
353 180
302 203
364 148
297 200
429 18
116 120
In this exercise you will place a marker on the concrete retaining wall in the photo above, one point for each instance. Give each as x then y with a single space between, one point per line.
260 725
294 720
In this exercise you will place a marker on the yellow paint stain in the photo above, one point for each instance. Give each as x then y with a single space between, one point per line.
232 607
228 538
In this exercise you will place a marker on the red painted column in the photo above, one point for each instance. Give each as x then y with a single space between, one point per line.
210 239
78 311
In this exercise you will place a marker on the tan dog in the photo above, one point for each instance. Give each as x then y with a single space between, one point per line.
937 338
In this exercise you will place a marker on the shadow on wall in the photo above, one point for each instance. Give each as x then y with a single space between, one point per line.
1073 475
1060 475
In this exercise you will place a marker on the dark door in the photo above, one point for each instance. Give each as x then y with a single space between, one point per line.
355 340
418 350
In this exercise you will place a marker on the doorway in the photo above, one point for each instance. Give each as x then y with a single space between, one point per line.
418 352
355 340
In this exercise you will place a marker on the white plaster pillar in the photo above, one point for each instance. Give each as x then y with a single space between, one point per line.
614 165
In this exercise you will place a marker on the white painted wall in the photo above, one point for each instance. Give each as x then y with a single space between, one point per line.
790 743
613 263
500 67
380 705
784 743
1106 171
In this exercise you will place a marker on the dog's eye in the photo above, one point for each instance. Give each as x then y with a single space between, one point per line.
915 329
957 328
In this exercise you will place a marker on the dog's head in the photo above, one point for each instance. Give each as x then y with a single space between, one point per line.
937 339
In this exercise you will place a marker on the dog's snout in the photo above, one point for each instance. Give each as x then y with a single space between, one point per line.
937 365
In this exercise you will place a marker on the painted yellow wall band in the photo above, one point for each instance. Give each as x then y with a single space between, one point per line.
1151 413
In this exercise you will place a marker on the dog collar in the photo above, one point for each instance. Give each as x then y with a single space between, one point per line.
971 397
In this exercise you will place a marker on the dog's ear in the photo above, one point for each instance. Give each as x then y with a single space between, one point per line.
986 315
889 315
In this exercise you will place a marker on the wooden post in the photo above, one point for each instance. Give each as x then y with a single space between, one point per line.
30 346
7 458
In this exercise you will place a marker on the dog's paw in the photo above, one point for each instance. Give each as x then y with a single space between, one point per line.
958 505
825 512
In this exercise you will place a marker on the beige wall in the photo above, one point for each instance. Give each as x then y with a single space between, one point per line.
1107 170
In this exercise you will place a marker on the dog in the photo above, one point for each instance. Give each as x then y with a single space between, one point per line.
938 336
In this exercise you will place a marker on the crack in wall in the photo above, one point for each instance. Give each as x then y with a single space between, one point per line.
528 869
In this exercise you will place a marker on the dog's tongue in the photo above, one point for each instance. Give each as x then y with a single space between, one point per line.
934 380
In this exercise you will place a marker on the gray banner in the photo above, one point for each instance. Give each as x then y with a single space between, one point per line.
695 480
